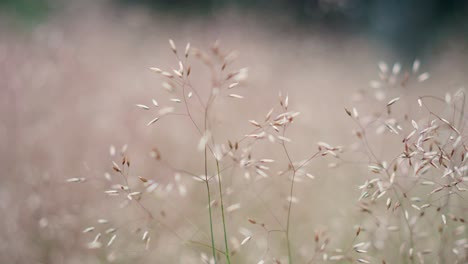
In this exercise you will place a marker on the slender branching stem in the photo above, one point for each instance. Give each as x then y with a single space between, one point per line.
291 192
209 208
222 214
208 186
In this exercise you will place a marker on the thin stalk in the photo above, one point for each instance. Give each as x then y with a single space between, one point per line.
207 184
289 218
222 213
291 192
209 208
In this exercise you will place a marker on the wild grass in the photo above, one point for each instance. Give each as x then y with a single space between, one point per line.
411 205
109 162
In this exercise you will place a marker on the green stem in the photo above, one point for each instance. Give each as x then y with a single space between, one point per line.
291 192
289 218
209 208
222 213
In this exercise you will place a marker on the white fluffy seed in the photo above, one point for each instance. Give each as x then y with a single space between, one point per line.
423 77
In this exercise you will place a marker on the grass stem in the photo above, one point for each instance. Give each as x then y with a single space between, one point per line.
222 214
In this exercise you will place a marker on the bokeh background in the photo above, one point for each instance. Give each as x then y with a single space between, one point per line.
71 73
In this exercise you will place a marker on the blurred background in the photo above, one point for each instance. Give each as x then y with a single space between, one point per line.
71 73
